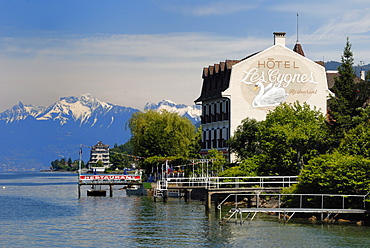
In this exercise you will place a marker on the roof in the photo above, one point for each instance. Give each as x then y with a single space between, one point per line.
100 145
331 75
298 49
216 79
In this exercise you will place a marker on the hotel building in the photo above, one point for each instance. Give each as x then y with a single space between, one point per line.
251 87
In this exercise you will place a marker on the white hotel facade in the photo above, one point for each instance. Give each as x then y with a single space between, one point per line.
251 87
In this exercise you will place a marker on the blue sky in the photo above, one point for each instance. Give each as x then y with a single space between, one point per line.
133 52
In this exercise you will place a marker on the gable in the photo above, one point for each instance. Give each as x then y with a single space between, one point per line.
273 76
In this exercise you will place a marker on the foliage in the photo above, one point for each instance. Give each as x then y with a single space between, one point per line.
244 141
290 136
126 148
118 156
281 144
119 160
195 145
157 163
363 116
348 96
247 168
161 134
235 171
356 141
65 165
99 164
344 86
336 173
218 160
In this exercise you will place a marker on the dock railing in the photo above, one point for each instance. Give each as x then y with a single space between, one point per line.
300 202
232 182
304 200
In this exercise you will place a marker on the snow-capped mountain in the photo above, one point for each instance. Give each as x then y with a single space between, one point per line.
33 136
84 110
20 112
193 112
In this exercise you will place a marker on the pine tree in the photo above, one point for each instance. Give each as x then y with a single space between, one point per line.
344 83
342 107
344 87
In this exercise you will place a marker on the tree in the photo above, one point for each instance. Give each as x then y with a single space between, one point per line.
356 141
161 134
99 164
218 160
342 107
280 145
336 174
64 165
195 145
244 141
247 167
119 160
290 136
126 148
344 84
119 156
157 164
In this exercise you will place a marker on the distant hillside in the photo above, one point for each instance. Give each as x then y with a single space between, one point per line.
333 65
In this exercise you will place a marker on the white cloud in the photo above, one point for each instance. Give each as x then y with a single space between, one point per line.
128 70
353 22
133 69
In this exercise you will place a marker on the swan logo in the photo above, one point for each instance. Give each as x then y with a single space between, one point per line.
269 95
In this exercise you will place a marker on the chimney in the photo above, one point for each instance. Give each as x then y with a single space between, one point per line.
279 38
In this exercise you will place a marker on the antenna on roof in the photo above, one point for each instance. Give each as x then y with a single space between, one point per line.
297 27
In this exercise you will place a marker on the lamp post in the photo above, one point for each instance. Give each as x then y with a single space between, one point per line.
79 162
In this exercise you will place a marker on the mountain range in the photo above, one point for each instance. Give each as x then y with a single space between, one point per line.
333 65
33 136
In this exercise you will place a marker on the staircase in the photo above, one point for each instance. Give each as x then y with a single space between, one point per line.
229 215
161 189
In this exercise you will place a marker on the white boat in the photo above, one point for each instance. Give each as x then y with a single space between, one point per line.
98 169
136 190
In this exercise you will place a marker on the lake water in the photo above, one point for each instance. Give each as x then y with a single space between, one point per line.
43 210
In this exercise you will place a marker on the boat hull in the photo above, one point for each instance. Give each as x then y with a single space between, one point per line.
92 192
137 190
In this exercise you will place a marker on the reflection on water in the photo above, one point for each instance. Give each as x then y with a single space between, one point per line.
43 210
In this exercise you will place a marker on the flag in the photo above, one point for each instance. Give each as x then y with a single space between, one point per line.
167 167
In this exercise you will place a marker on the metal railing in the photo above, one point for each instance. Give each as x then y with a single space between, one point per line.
233 182
308 202
315 203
